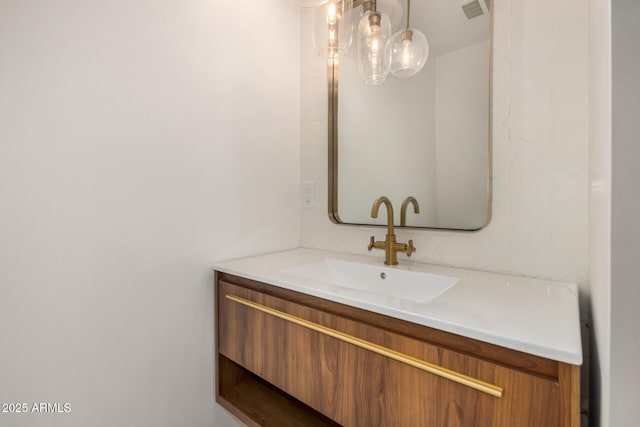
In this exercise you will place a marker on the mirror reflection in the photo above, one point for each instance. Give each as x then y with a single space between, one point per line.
425 136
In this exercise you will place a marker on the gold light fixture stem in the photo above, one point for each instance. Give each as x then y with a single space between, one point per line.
407 34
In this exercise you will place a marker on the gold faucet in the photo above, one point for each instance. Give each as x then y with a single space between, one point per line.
405 205
389 245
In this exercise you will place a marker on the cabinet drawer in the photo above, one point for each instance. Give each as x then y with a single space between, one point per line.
358 374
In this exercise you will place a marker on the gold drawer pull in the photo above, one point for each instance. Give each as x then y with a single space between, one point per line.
367 345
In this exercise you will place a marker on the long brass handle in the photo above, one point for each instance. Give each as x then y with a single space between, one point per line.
383 351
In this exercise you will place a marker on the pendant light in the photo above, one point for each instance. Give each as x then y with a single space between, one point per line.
374 31
407 51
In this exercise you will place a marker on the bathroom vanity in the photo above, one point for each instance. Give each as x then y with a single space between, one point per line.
313 338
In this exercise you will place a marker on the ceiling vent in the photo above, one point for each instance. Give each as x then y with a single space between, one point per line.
474 8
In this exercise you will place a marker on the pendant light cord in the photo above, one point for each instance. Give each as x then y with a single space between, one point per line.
408 12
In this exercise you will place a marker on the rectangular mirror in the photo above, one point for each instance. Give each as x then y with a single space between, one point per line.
426 136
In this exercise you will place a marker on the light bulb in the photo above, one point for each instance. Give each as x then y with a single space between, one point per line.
332 14
332 34
407 52
375 45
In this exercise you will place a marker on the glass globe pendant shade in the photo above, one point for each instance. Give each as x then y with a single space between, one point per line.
407 52
308 3
374 31
332 33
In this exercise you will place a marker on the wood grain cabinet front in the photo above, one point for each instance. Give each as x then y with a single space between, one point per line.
309 361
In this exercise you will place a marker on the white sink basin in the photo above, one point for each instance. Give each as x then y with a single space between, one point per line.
357 280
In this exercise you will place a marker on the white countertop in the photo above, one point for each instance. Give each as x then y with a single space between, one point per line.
538 317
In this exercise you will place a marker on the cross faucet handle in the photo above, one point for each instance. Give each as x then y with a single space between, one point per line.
410 248
372 243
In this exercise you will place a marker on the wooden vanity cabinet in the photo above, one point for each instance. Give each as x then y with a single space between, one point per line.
275 370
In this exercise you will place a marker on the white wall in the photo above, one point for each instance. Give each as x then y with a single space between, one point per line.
541 152
625 214
600 208
140 141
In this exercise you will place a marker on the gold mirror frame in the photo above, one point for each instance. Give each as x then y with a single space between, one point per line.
333 68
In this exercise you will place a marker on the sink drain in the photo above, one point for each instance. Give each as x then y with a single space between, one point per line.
383 275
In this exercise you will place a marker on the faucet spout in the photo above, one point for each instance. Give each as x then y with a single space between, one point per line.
403 210
376 207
